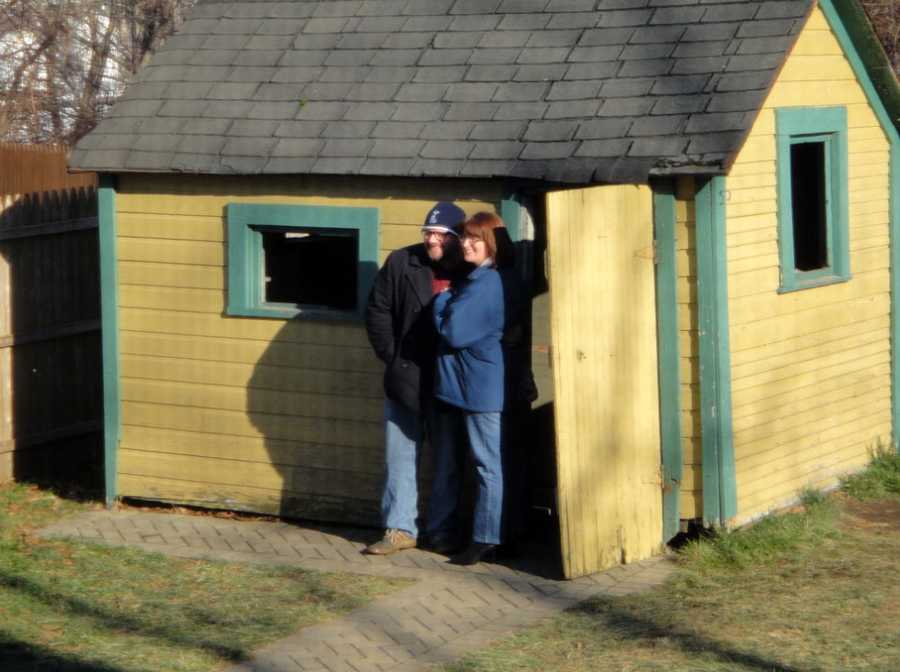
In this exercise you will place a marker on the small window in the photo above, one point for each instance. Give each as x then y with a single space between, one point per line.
286 260
812 196
296 261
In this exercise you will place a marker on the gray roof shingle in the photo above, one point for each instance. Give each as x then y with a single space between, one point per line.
574 91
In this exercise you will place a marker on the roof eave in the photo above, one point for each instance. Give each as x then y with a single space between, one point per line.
700 170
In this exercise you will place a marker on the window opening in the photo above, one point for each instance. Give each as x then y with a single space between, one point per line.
809 206
812 188
310 267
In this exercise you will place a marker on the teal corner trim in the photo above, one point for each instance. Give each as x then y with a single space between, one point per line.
109 302
668 355
826 125
511 214
845 16
719 479
895 293
245 254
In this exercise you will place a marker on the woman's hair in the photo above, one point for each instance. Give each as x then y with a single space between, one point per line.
489 227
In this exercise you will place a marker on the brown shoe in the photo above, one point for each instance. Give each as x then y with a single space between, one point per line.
393 541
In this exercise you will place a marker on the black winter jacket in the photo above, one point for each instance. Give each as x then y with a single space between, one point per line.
399 325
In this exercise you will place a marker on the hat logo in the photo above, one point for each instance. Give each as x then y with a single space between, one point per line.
434 217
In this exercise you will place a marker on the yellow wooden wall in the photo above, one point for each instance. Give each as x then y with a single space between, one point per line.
810 369
691 501
606 391
266 415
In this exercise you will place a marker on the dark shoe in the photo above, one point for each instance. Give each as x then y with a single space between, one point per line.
475 553
393 541
443 544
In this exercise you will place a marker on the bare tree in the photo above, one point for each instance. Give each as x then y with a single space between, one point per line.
63 62
885 18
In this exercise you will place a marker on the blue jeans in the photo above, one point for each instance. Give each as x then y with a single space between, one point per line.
404 430
484 432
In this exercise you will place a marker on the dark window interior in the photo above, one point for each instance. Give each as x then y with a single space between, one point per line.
310 267
808 200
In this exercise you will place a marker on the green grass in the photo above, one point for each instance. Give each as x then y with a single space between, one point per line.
811 590
83 606
880 480
767 540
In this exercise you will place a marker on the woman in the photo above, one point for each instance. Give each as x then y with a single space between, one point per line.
470 319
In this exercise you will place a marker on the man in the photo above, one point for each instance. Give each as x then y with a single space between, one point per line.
401 330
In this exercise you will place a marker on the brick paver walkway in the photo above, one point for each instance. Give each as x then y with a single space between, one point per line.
448 612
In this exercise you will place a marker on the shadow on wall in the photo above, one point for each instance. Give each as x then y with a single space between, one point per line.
316 399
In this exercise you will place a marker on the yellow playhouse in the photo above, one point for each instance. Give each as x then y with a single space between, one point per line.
706 200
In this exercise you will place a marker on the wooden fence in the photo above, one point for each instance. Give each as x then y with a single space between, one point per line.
27 169
50 348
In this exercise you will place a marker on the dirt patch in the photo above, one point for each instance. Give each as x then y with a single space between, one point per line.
880 515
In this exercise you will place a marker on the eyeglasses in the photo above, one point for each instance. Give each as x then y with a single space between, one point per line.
470 238
440 235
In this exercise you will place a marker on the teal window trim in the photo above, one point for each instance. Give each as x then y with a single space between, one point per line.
109 302
669 356
510 213
245 255
719 477
828 125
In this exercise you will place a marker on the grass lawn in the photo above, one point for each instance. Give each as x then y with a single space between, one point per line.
812 590
77 606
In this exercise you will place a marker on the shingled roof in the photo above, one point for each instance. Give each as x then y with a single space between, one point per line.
566 90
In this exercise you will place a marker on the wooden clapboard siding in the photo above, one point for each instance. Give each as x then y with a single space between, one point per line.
812 343
254 400
210 229
859 258
691 486
820 471
403 202
810 369
145 226
809 393
237 448
263 415
273 500
361 432
171 275
278 378
200 324
265 474
336 358
188 252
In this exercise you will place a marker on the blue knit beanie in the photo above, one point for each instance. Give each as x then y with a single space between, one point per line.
444 217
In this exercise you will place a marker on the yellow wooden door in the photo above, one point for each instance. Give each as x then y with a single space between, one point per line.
603 330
